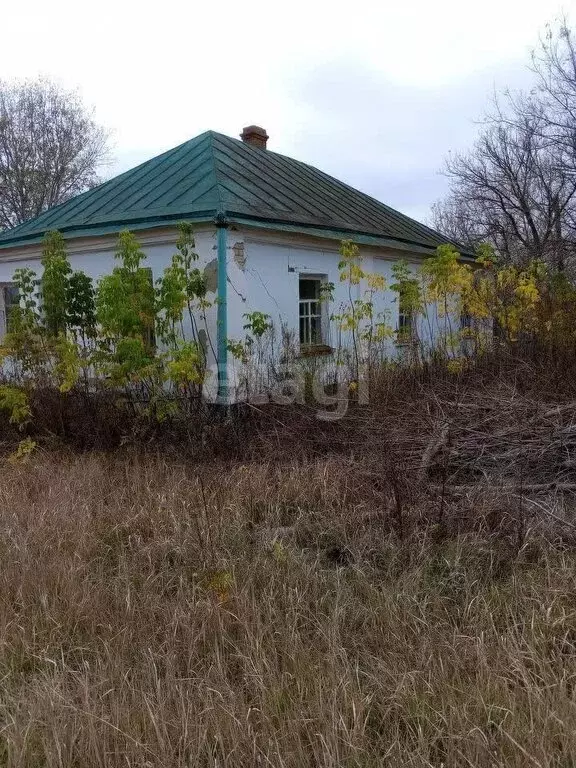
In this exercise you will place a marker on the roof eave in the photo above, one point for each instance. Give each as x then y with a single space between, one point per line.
142 223
362 238
110 228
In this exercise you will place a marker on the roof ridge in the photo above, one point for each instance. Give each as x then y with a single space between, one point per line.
357 191
333 179
214 173
221 208
118 178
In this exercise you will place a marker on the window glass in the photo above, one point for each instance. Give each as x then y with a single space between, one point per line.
405 327
309 289
310 311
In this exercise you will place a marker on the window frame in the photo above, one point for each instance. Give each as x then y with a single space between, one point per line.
6 307
405 333
320 315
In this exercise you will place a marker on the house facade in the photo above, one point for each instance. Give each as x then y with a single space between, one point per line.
267 233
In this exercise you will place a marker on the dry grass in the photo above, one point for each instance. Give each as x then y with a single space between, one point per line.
157 614
393 589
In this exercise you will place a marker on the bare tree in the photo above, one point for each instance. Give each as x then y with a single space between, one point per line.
554 64
50 149
516 187
510 190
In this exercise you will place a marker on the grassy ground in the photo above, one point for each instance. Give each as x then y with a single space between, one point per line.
154 613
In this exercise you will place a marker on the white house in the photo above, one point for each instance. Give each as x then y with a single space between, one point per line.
267 231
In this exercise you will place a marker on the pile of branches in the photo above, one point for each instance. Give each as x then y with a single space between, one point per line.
506 441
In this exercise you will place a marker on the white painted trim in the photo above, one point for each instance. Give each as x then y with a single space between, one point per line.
282 239
286 240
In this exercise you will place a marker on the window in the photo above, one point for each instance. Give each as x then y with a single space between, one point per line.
405 323
9 299
310 311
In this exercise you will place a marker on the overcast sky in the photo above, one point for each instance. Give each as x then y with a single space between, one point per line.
375 93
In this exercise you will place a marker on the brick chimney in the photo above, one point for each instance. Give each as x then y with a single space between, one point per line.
255 135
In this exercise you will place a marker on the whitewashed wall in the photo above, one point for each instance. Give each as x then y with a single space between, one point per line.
269 281
263 274
96 258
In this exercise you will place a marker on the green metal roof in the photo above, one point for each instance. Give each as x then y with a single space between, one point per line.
214 173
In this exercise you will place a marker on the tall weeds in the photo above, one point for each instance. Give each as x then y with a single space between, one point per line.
155 615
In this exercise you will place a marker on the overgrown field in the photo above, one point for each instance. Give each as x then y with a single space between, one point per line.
395 589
